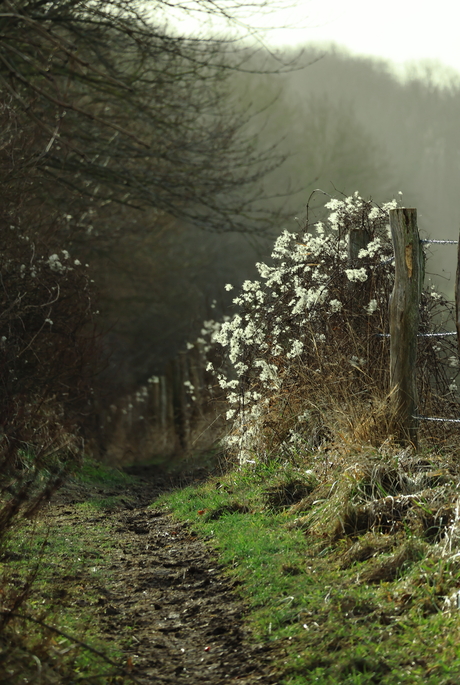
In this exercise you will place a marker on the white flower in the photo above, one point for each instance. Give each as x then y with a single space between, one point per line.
282 244
55 264
374 213
335 306
389 205
268 372
371 249
356 274
354 361
264 270
371 307
435 295
296 350
229 286
277 350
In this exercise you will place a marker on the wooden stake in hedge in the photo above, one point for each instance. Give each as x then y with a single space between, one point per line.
358 239
404 320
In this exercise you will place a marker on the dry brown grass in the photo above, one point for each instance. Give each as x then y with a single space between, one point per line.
372 497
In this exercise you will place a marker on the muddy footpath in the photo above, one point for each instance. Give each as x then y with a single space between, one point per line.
166 600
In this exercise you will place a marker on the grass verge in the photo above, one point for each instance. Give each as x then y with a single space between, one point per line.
54 575
351 558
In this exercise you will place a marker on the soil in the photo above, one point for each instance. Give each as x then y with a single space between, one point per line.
168 602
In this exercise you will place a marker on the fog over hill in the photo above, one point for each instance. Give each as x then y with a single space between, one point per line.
353 123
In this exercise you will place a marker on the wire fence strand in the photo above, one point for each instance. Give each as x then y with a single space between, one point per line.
441 242
421 335
435 418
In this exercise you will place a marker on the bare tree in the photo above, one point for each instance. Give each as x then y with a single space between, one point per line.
132 112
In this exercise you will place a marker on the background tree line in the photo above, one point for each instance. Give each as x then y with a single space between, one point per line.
342 124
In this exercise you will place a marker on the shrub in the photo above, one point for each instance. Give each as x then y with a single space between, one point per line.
47 351
309 348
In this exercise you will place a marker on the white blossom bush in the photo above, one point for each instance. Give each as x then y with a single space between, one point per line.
308 345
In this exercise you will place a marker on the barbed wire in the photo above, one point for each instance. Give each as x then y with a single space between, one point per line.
420 335
386 261
430 335
433 418
441 242
434 335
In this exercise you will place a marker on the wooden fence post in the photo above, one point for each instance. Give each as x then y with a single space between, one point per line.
358 239
457 297
404 320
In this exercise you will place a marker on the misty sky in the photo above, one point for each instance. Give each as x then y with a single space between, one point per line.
398 30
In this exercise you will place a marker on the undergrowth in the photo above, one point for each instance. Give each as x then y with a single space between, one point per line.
350 557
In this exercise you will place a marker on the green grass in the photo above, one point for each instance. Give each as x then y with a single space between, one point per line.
95 473
106 503
63 569
70 568
372 621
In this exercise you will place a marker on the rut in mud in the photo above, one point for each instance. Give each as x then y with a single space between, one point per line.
168 603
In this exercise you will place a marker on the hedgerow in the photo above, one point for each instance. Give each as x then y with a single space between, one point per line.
308 346
47 361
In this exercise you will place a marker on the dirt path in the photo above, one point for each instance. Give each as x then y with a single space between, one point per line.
168 602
